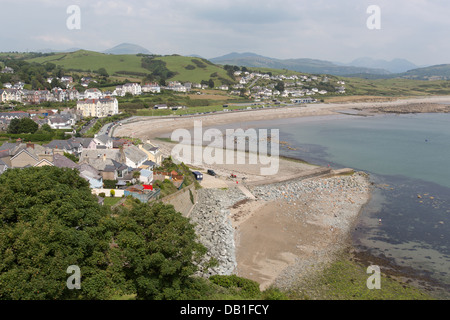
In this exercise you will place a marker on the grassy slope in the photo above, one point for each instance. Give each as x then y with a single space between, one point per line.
396 87
346 279
89 60
179 63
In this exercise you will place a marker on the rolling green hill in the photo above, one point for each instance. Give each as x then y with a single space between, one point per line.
131 66
313 66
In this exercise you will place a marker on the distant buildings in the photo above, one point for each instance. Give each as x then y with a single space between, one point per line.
7 70
133 88
151 87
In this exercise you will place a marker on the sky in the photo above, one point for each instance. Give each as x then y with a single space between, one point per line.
333 30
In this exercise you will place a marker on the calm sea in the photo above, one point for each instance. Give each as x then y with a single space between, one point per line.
408 159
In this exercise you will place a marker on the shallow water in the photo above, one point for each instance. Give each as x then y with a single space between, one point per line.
408 158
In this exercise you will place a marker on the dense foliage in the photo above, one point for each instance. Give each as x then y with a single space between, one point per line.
24 125
49 220
160 251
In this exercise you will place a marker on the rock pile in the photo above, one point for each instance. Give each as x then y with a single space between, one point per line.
211 217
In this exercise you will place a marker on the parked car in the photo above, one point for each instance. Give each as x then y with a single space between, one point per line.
211 172
198 175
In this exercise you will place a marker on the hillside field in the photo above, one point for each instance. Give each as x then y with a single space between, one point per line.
130 66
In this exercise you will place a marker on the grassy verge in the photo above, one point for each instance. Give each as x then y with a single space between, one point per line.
111 201
346 279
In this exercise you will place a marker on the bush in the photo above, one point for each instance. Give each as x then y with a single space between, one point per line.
273 294
102 195
113 193
191 196
247 287
109 184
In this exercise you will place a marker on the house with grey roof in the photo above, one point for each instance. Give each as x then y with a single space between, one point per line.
8 151
86 143
61 161
61 122
134 156
103 141
68 146
153 152
90 174
110 162
23 159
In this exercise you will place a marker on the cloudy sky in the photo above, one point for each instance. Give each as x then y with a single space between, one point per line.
335 30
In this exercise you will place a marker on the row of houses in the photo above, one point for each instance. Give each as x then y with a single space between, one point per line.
24 155
38 96
100 158
64 119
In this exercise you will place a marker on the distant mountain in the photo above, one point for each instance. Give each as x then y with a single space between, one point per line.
394 66
127 48
314 66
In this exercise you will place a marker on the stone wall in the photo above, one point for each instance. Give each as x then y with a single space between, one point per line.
119 192
181 200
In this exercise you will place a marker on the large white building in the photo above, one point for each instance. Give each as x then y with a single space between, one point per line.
134 88
98 107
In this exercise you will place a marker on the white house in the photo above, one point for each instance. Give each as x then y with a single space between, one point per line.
134 157
146 176
93 93
134 88
103 141
151 87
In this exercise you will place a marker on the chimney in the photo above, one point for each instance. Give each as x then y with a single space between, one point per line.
104 157
30 145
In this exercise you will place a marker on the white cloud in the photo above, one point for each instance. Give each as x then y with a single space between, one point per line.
326 29
54 40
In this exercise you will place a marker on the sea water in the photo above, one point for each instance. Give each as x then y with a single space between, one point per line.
408 158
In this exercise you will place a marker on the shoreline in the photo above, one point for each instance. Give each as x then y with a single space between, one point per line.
286 261
150 128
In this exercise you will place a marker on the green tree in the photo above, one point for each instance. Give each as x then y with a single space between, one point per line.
211 83
103 73
160 251
49 220
46 127
14 126
280 86
26 125
71 157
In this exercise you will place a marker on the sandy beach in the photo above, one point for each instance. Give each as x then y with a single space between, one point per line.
293 223
148 128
